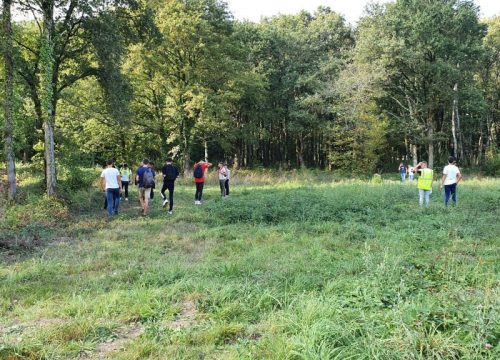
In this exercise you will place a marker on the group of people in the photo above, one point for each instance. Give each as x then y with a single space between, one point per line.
450 178
115 183
406 171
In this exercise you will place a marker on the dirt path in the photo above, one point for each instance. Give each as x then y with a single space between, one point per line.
186 317
124 335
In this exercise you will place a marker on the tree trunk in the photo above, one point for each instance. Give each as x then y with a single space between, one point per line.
414 154
453 122
300 152
47 95
430 139
8 101
205 147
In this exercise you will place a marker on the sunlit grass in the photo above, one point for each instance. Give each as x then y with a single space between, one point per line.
305 268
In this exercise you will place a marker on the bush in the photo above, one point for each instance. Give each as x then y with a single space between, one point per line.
492 165
377 179
76 178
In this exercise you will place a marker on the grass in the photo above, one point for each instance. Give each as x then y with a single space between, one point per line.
304 268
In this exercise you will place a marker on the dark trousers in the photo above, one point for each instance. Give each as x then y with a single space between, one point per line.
169 185
125 188
227 186
152 195
450 191
222 184
113 199
199 191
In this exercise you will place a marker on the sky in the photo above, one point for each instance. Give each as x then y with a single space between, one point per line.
352 9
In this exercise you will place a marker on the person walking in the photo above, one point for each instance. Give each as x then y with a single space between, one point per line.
144 179
222 172
152 167
411 173
424 183
451 178
170 174
402 172
111 182
199 173
126 173
228 171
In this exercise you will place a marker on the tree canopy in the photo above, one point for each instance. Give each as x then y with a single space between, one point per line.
181 78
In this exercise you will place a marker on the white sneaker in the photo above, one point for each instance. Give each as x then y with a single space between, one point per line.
126 199
165 202
197 202
162 196
170 212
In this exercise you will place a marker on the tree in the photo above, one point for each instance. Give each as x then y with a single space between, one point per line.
420 45
8 99
62 52
180 70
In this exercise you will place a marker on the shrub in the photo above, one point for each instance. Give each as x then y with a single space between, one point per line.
492 165
377 179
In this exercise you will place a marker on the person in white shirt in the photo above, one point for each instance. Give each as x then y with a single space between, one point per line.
222 171
112 183
450 180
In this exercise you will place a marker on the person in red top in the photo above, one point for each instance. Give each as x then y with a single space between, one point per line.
200 170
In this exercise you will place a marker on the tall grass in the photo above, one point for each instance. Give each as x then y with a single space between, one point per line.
304 267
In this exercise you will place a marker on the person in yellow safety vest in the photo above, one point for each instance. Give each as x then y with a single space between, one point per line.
126 173
424 183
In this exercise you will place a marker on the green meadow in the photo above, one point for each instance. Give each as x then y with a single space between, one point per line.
291 266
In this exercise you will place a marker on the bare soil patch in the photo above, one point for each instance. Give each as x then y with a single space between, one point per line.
186 317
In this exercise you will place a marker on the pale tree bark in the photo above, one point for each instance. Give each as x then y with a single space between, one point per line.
47 94
414 154
8 100
430 139
453 122
300 149
205 145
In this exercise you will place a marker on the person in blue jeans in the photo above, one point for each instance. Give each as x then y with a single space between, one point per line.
451 178
111 182
402 172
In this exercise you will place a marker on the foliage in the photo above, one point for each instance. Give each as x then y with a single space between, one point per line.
492 164
183 79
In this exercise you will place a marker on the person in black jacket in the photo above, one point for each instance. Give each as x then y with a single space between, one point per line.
170 173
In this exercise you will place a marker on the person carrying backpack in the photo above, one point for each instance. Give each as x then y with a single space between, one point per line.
199 171
145 180
170 173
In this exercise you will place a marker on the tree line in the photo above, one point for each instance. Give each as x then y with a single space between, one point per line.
84 81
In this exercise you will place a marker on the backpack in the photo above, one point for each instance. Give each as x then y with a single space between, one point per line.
170 173
148 180
198 172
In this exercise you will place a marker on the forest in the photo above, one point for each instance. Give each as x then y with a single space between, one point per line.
84 81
